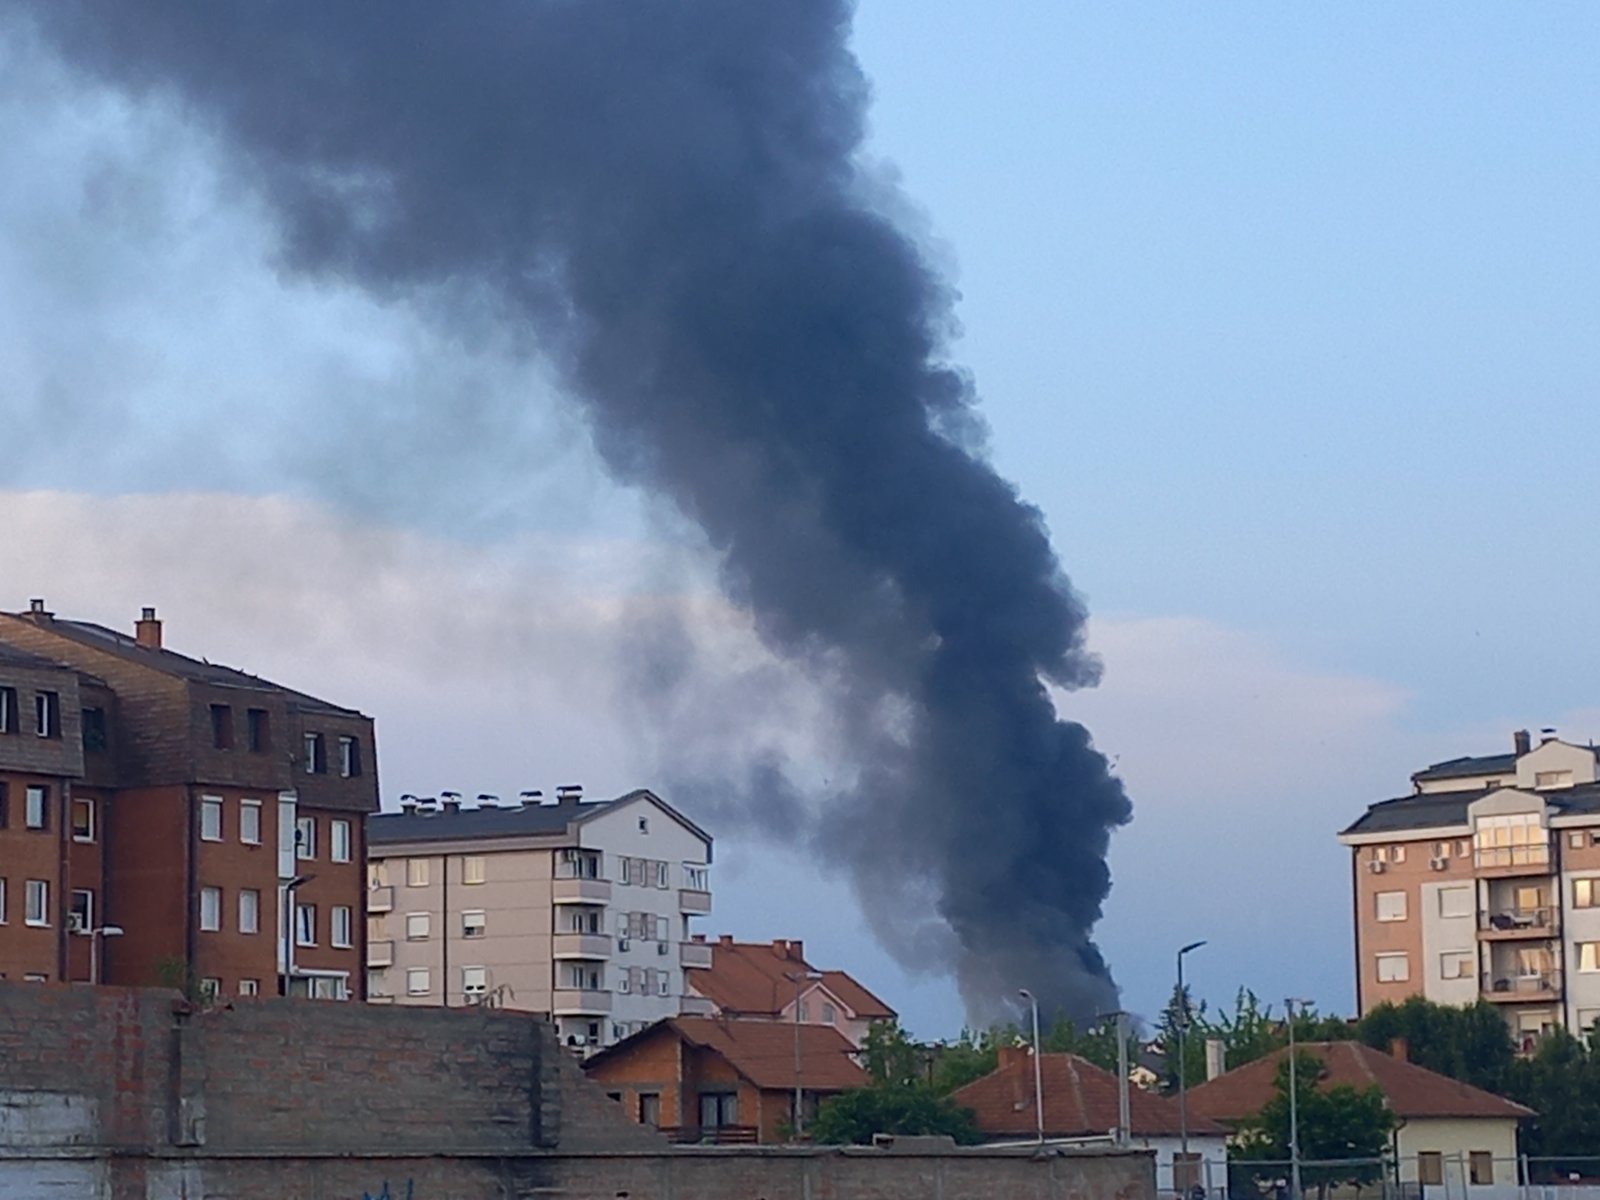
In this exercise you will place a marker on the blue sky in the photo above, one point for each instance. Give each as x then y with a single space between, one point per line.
1283 315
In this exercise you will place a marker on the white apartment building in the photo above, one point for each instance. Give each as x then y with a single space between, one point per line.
578 909
1485 883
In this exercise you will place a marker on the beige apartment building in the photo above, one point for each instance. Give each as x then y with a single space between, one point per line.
581 910
1485 883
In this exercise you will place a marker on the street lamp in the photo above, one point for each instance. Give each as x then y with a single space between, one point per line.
1294 1112
1120 1017
290 886
1183 1090
797 978
95 946
1038 1077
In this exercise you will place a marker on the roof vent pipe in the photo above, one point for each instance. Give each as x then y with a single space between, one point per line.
1547 734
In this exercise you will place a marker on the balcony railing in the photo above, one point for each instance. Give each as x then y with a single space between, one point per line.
581 945
1510 987
719 1135
1510 922
581 891
694 954
579 1002
380 954
693 900
380 899
1533 859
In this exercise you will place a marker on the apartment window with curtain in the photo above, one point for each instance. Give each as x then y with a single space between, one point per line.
349 757
210 909
315 755
250 822
305 924
38 902
82 820
305 837
36 808
249 910
210 818
339 840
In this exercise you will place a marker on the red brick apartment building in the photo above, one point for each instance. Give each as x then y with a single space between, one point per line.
164 819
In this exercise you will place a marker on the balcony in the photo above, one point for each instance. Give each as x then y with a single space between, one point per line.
694 954
380 954
1511 924
380 899
696 1006
579 1002
693 900
1502 861
581 891
581 945
1509 988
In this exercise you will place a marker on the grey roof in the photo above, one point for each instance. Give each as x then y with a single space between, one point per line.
22 660
1432 810
195 670
528 820
1455 768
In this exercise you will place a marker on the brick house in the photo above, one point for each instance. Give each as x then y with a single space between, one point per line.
211 819
711 1079
766 981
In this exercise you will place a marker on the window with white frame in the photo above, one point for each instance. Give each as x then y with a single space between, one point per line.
664 983
663 875
210 909
210 988
210 818
1456 902
82 910
474 924
417 926
305 924
340 927
250 822
349 757
313 756
1588 956
2 900
82 820
8 710
339 840
1391 906
249 910
1394 968
47 714
1456 964
416 872
417 981
1584 893
249 987
474 980
305 837
1586 1020
473 870
36 808
694 877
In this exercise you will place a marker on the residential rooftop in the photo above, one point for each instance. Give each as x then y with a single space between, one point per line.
452 820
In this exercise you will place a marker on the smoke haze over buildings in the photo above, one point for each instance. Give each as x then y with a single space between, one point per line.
664 204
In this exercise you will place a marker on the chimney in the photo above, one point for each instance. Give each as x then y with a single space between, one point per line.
1015 1056
725 939
1547 734
698 937
37 613
1521 742
147 630
408 804
780 948
1398 1049
452 806
569 793
797 951
1216 1057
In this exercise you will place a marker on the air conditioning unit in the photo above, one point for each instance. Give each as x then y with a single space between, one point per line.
623 943
623 986
662 948
75 923
1376 867
1439 864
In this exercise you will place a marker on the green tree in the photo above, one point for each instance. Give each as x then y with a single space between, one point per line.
971 1056
890 1056
1560 1082
1469 1043
853 1117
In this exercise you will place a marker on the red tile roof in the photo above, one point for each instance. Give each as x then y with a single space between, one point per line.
761 1051
1080 1100
753 979
856 998
1412 1091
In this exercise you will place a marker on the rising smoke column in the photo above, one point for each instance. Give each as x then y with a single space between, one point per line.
663 200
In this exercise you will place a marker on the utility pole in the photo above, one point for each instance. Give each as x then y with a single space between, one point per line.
1038 1076
1183 1091
1294 1113
1124 1119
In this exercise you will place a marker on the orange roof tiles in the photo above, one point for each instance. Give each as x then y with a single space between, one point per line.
1412 1091
762 1051
1080 1100
754 979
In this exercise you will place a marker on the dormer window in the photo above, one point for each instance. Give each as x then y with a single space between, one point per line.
316 757
47 714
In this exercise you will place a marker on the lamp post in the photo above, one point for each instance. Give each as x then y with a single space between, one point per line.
96 945
1183 1089
1294 1111
1038 1076
797 978
290 886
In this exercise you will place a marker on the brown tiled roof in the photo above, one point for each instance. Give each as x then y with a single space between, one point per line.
1412 1091
1080 1100
863 1003
761 1051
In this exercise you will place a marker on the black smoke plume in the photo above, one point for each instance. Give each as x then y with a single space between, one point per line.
665 200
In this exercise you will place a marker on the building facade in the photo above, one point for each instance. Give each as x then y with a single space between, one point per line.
582 910
1484 883
207 824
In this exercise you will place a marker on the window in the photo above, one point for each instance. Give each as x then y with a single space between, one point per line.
222 726
585 978
8 710
47 714
644 824
626 867
36 902
663 877
694 877
210 819
339 840
339 932
1430 1167
1575 839
305 924
210 988
474 980
305 837
417 927
5 804
315 757
829 1014
1552 779
2 906
1584 893
1456 964
718 1109
1441 850
1586 1017
1511 840
349 757
81 915
35 977
582 864
1393 968
82 820
473 924
416 872
210 909
249 910
1391 906
257 730
1398 854
473 869
664 983
94 730
650 1108
1588 956
1481 1167
417 981
1456 902
250 822
249 987
36 808
1185 1171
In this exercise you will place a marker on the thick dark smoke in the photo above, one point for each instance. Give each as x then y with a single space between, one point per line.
665 197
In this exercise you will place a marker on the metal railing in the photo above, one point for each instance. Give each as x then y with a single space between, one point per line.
1545 920
1510 985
